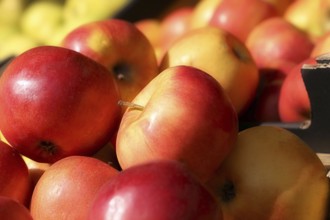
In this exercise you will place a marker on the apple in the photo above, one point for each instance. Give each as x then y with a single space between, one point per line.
174 25
14 176
84 11
151 28
182 114
271 174
202 13
41 19
309 16
239 17
11 11
67 188
223 56
122 48
15 44
160 189
11 209
280 5
321 46
294 104
275 40
56 102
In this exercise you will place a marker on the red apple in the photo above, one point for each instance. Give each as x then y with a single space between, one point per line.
183 114
294 104
174 25
161 189
67 188
10 209
223 56
239 17
56 102
122 48
280 5
14 175
275 41
271 174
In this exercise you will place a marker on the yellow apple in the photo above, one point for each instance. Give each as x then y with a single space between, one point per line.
84 11
11 11
309 15
271 174
203 13
16 44
41 19
221 55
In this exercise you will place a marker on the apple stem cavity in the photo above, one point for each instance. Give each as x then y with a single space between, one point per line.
48 146
130 105
228 192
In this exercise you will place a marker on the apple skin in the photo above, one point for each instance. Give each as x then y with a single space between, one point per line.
221 55
321 46
161 189
294 104
271 174
11 209
57 102
229 15
202 13
309 16
174 25
14 175
68 187
122 48
275 40
179 123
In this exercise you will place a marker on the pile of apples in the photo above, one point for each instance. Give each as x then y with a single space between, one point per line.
25 24
141 120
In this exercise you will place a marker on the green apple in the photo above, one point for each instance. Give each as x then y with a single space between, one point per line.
41 18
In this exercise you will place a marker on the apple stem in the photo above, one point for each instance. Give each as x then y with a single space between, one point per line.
130 105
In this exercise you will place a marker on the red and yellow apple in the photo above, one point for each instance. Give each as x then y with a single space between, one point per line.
56 102
68 187
275 41
122 48
202 13
271 174
223 56
183 114
239 17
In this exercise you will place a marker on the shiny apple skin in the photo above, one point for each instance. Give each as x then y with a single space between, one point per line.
14 175
122 48
68 187
187 116
161 189
56 102
221 55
